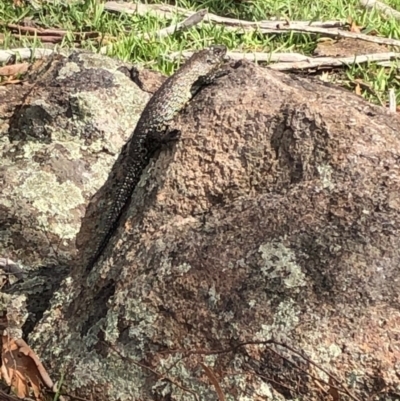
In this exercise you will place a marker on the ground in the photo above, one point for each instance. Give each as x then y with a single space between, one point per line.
122 33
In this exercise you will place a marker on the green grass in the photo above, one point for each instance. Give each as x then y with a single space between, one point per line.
123 32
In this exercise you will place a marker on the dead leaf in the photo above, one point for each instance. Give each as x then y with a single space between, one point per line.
353 26
10 82
22 370
357 90
333 391
325 76
8 70
214 381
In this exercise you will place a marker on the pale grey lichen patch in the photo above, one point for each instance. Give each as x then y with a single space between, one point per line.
59 135
110 114
15 308
183 267
240 382
264 333
74 149
4 128
286 317
54 318
99 173
93 60
92 336
142 318
165 266
325 173
111 332
68 70
116 374
30 149
41 103
8 203
176 367
324 354
214 297
81 105
51 198
241 263
280 262
252 303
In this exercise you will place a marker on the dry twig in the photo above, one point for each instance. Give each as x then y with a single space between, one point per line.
329 28
392 101
236 347
166 11
24 54
296 61
192 20
158 375
11 267
384 8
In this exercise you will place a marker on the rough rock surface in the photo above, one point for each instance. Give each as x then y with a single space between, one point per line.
61 130
276 217
59 137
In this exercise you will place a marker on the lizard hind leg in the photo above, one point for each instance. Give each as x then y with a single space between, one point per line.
171 135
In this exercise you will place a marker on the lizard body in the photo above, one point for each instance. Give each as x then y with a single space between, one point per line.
152 130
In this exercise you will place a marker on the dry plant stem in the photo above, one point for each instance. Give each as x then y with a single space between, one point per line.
335 62
193 20
256 56
11 267
43 39
317 379
210 374
329 30
189 22
50 32
296 61
284 61
160 376
333 32
72 397
384 8
318 367
164 10
234 348
291 389
371 90
24 54
392 101
8 397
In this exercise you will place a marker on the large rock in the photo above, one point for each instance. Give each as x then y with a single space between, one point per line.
59 136
60 133
275 219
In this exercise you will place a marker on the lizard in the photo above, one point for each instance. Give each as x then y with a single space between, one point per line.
153 130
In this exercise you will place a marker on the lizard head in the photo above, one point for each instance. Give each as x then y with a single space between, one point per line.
207 60
205 64
216 54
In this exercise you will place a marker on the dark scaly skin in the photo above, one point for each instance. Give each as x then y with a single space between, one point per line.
152 130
